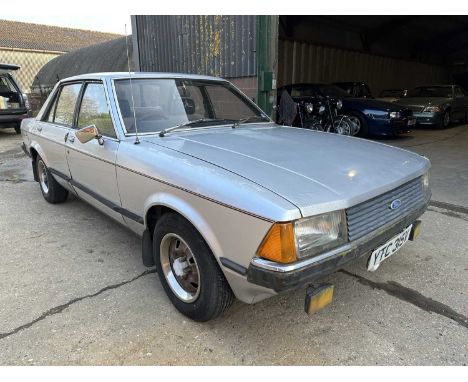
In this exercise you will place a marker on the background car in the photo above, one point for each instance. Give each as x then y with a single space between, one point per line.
437 105
355 89
14 105
371 116
392 95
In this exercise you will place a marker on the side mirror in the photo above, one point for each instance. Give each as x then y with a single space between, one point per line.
89 133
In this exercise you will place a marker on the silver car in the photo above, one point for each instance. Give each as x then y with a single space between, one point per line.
227 203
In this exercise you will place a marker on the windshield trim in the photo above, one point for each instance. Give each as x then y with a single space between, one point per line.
220 80
197 128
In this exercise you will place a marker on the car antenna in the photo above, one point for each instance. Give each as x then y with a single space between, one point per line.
137 141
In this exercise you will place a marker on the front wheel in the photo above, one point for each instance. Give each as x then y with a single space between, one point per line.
360 125
446 119
189 273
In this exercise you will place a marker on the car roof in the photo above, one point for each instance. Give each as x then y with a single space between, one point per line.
350 83
115 75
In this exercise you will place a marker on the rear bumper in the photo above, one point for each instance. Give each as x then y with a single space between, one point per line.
13 120
280 277
23 146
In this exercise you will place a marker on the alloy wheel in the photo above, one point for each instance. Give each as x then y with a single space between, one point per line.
180 268
43 177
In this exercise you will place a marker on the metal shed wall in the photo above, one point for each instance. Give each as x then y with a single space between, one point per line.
305 62
213 45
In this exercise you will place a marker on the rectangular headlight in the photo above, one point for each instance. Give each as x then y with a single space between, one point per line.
432 109
319 233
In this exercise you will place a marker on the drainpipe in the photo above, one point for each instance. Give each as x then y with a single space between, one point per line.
267 62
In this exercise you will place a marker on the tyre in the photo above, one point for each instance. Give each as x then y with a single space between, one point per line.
360 123
18 129
188 271
446 119
52 191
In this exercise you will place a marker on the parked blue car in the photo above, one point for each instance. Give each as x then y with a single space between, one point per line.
372 117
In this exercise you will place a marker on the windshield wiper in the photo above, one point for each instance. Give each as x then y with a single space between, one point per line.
246 120
162 133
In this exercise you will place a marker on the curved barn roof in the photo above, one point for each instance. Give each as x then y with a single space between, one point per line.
109 56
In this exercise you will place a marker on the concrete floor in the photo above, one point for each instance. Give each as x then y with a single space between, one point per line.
73 289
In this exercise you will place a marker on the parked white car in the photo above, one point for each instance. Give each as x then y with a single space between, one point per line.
227 202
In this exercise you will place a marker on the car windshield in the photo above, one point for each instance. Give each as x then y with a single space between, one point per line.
333 91
431 91
398 93
356 90
163 103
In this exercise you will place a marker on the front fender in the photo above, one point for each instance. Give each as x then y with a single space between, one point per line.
188 212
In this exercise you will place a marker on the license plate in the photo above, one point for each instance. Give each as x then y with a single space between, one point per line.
388 249
412 122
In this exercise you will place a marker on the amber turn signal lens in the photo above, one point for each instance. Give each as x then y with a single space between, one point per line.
279 244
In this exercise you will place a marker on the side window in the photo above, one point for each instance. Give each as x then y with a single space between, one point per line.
94 110
66 104
49 116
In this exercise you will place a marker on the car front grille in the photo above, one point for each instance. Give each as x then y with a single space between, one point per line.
416 108
374 213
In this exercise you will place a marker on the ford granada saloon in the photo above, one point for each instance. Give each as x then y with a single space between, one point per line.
227 203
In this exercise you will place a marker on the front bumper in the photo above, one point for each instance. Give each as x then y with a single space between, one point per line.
428 118
390 126
283 277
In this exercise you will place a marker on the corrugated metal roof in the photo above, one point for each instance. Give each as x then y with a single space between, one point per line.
19 35
222 46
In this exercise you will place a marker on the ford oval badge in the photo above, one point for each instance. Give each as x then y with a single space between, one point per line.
395 204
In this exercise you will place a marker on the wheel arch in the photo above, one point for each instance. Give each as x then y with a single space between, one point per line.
35 151
159 204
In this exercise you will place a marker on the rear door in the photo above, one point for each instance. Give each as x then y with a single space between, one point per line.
92 164
54 126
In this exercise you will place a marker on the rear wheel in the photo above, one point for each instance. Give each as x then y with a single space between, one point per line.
52 191
18 129
188 271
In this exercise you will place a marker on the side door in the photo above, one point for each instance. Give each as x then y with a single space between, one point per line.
92 164
54 126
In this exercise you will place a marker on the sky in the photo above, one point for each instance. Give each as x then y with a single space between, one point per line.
101 23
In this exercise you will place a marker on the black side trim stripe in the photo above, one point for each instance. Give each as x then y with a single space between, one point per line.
233 266
99 198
